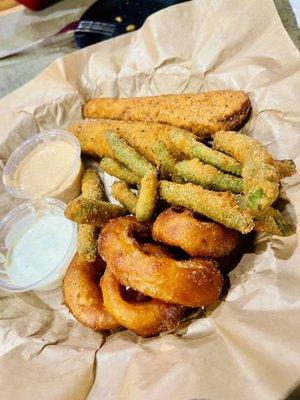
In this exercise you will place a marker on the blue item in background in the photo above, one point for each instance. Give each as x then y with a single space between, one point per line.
127 15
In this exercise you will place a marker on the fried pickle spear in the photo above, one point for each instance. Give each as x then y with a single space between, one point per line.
128 155
219 206
114 168
91 212
92 188
202 114
145 205
140 135
261 179
121 192
208 176
269 221
143 137
194 149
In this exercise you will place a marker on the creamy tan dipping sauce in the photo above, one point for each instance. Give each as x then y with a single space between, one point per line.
51 169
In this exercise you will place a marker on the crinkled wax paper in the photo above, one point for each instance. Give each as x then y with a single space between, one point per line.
246 348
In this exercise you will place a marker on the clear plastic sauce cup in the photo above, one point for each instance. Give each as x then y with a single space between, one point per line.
45 165
36 245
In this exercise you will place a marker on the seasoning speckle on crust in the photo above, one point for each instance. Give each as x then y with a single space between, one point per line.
191 283
83 297
197 238
202 114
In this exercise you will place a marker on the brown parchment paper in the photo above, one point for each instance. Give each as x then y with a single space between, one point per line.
246 348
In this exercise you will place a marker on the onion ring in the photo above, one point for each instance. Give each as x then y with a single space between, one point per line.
197 238
191 283
147 318
83 297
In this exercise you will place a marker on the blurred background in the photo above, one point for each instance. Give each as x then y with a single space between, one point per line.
21 26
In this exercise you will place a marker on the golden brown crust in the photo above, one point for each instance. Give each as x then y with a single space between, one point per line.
146 318
83 297
192 283
202 114
91 187
197 238
87 242
141 136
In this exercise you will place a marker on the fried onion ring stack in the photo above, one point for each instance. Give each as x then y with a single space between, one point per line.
144 286
195 282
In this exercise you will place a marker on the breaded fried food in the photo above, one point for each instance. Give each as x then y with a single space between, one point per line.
273 223
91 187
191 148
179 227
208 176
121 192
165 161
195 282
269 221
218 206
145 318
145 205
87 242
91 212
241 147
202 114
261 178
127 155
83 297
285 168
140 135
115 168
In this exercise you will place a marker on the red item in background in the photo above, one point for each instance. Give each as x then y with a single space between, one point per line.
36 4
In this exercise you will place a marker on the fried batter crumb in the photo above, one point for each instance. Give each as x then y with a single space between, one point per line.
130 27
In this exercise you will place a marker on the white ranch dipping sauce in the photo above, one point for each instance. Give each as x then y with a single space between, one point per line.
50 170
37 247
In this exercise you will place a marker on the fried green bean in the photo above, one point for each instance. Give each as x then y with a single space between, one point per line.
208 176
194 149
127 155
96 213
121 192
87 240
285 168
92 186
147 197
165 160
261 179
114 168
269 221
219 206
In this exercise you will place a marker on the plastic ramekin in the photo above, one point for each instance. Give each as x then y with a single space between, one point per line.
33 210
70 185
